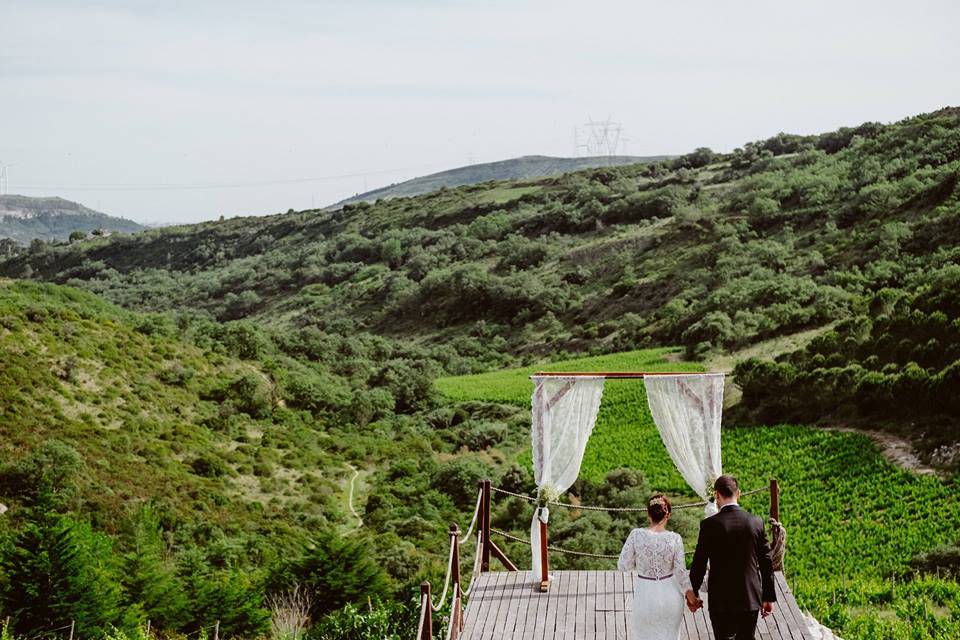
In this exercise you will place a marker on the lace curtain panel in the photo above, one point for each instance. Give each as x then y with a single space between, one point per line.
687 410
564 412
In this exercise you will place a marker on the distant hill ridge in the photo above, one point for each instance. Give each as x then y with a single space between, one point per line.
23 218
513 169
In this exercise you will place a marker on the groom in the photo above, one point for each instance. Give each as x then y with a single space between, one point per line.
741 571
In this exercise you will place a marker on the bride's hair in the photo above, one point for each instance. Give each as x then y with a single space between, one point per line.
658 507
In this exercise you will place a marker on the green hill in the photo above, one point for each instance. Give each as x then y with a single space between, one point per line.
714 252
212 466
23 219
523 168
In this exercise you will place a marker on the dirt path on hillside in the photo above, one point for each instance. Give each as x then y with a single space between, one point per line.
353 482
897 450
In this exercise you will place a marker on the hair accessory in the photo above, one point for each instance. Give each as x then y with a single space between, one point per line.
659 501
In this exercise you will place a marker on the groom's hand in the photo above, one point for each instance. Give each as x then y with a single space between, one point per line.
767 609
693 603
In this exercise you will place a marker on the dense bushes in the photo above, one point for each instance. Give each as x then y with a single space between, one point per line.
900 362
712 251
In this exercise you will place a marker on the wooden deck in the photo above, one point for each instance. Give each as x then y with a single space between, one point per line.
590 604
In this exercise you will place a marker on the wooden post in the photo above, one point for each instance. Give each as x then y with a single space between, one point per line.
544 566
425 632
774 499
455 611
216 630
455 563
71 629
485 526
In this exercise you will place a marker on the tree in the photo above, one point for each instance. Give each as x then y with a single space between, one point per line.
77 236
46 478
149 584
59 570
336 571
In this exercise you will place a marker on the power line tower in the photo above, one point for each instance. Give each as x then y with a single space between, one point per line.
3 178
598 138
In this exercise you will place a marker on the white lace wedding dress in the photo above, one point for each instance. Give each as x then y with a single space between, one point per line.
658 594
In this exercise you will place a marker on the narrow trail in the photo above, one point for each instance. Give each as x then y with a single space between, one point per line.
353 482
897 450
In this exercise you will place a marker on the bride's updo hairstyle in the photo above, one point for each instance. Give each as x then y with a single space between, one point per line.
658 507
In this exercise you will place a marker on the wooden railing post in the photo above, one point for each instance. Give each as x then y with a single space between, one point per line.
485 525
456 605
455 561
544 566
425 632
774 499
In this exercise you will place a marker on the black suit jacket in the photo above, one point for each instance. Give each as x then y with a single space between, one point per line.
741 571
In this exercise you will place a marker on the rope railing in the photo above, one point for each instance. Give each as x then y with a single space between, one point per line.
446 583
585 507
476 566
603 556
476 512
570 552
446 579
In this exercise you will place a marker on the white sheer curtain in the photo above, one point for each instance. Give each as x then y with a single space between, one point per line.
564 412
687 410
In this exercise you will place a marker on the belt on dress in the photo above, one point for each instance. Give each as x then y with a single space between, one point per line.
654 579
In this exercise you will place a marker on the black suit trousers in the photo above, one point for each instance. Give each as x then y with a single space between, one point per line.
729 625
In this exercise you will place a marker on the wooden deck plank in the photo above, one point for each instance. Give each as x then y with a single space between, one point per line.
796 617
485 592
513 612
609 620
476 611
777 623
494 601
625 603
524 615
590 608
553 606
580 618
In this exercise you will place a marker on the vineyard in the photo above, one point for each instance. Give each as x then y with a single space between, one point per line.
854 521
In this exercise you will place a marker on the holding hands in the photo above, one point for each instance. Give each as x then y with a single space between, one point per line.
693 602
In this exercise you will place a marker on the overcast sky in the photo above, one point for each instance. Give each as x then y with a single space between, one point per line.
183 111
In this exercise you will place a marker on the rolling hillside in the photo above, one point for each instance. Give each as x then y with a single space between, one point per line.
23 219
202 391
523 168
786 236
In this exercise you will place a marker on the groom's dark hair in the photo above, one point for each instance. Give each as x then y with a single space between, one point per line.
726 486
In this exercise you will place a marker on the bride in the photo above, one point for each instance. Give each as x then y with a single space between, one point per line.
655 556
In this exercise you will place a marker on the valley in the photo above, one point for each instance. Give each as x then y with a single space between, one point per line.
191 415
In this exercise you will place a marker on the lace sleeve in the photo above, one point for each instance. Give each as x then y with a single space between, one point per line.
680 566
628 555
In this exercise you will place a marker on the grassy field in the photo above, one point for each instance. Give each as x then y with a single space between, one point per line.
853 519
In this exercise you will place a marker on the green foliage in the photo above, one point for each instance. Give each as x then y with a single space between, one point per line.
356 622
899 361
336 570
150 583
46 478
247 393
59 570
